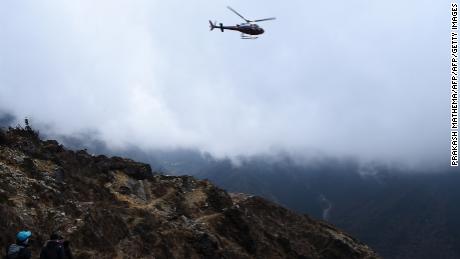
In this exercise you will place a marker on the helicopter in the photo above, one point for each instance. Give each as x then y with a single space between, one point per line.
249 30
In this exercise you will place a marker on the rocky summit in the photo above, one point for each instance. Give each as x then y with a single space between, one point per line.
118 208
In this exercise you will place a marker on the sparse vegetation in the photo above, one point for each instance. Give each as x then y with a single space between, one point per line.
27 131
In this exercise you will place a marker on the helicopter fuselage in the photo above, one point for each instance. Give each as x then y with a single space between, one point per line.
250 29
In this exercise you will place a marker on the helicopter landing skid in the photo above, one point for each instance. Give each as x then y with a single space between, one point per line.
248 37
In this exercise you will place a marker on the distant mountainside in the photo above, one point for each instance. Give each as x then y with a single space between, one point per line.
400 214
118 208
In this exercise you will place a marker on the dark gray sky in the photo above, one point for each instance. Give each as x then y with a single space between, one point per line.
366 79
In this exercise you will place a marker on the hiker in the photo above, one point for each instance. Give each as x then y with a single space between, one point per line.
20 250
56 248
67 252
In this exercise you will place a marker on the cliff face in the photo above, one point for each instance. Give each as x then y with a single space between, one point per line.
118 208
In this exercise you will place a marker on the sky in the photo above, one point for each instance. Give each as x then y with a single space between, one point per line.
361 78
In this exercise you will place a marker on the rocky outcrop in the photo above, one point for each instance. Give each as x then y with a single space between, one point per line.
118 208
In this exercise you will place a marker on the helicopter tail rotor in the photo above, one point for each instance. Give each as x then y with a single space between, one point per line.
211 25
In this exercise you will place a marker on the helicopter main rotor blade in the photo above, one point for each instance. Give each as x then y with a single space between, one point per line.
266 19
231 9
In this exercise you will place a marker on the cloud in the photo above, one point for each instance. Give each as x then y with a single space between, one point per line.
356 78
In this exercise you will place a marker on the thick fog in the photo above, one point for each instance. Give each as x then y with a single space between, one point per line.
365 79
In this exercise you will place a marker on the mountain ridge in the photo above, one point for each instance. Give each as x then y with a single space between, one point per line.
118 208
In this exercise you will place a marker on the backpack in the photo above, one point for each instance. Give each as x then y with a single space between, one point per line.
15 251
53 250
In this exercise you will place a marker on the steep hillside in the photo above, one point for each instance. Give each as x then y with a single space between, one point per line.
118 208
401 214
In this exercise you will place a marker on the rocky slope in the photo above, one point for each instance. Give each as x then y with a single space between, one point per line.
118 208
400 213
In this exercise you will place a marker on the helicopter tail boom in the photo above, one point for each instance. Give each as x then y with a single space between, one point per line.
212 26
